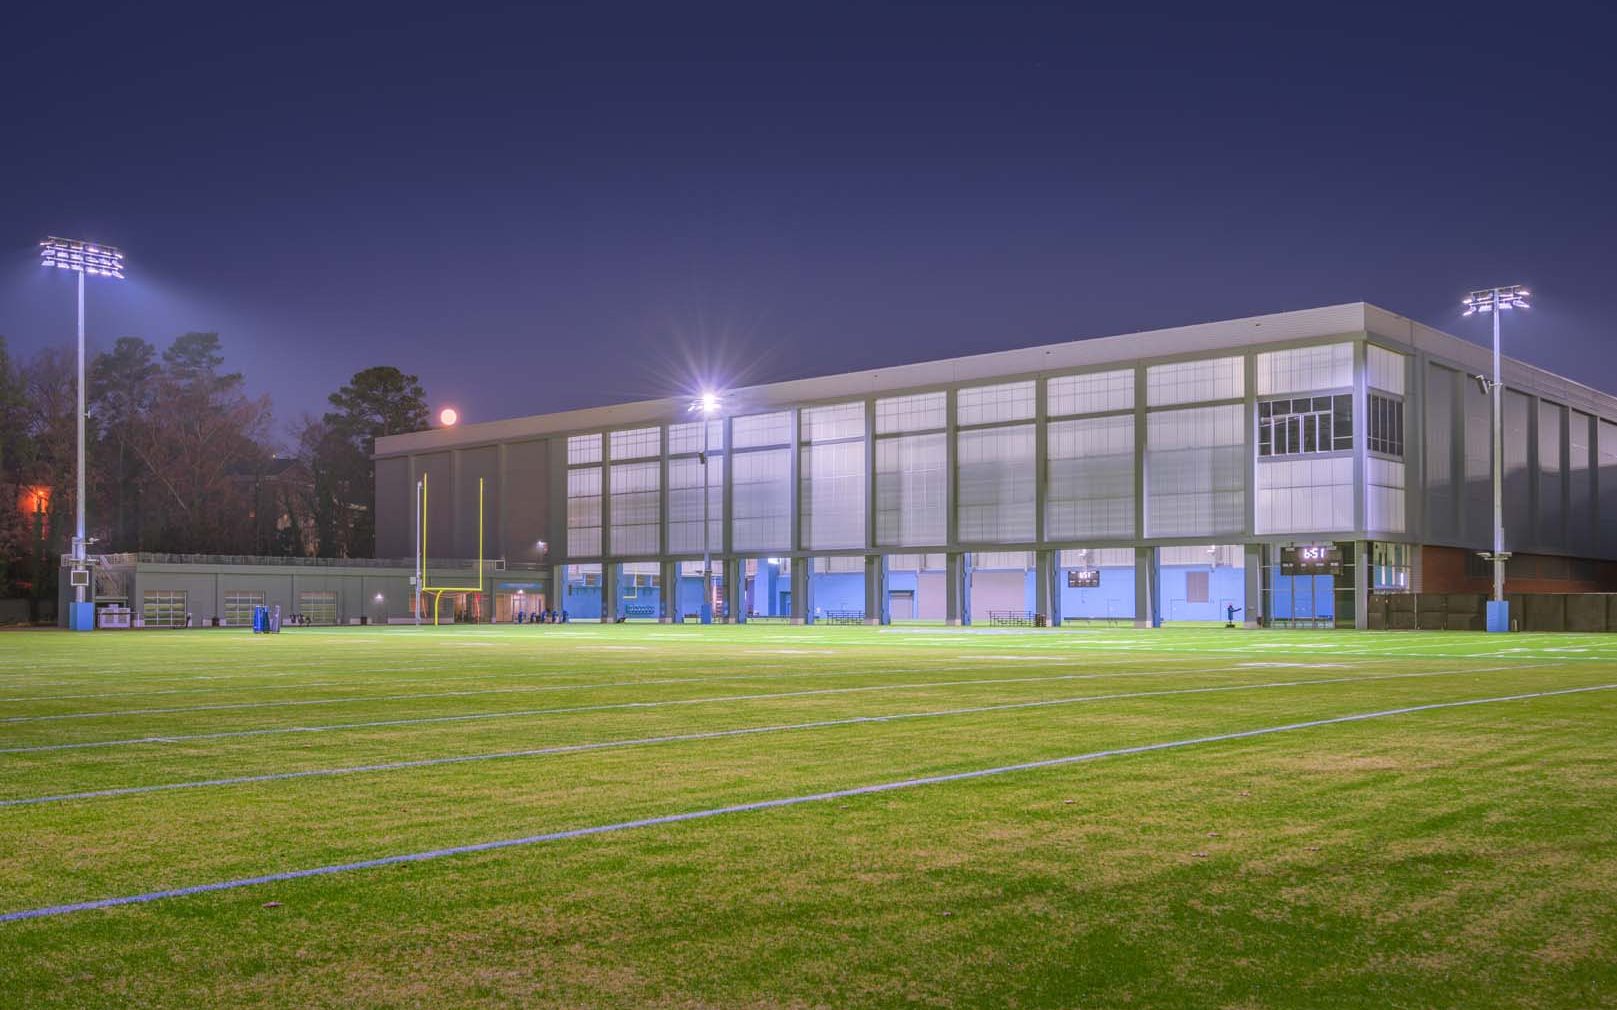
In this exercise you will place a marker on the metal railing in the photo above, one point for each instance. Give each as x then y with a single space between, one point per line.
152 558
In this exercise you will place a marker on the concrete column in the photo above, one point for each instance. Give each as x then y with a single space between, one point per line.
957 588
802 606
1047 591
1252 608
735 588
1147 587
611 572
1361 584
668 595
876 605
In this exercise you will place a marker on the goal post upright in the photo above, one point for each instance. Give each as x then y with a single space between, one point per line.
421 559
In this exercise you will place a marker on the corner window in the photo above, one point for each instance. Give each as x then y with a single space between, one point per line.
1386 426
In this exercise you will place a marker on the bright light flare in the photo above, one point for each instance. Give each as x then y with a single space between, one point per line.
84 257
1513 297
449 417
707 404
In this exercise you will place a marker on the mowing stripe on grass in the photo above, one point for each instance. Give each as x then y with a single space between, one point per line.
603 707
28 801
509 689
771 804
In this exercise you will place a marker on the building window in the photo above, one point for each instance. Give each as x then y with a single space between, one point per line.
583 449
1390 567
163 608
1386 426
1196 587
921 412
239 606
1303 425
636 443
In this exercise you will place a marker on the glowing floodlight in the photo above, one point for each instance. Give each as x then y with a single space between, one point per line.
1489 299
85 257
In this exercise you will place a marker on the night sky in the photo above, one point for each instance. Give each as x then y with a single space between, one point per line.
537 209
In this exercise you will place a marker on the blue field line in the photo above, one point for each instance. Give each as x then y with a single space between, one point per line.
771 804
603 707
28 801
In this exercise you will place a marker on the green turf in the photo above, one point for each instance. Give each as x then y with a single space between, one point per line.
1453 857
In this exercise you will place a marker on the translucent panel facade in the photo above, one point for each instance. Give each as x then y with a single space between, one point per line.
687 437
1551 494
1580 486
584 510
685 505
636 500
1304 370
842 420
1090 476
912 484
637 443
833 495
1010 401
1305 495
996 482
1606 447
1195 471
1195 381
1094 393
761 430
1384 369
1384 495
584 449
761 500
921 412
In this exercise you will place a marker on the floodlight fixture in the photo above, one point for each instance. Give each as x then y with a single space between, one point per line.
1503 299
1496 302
707 404
85 257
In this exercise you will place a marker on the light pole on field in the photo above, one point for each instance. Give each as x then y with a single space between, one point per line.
96 261
707 405
1497 301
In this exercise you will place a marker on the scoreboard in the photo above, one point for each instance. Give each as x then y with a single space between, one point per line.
1083 578
1311 559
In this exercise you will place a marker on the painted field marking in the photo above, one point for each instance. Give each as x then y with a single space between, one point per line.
603 707
762 673
770 804
703 735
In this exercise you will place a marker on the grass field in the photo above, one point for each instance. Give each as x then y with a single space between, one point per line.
1456 855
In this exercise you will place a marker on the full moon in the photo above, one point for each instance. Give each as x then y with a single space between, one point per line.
448 416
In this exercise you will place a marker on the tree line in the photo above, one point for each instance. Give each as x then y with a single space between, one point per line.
181 459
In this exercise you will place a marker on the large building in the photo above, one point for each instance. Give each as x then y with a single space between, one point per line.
1149 477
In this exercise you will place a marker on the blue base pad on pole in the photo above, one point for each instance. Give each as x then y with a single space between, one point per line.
707 613
81 616
1498 615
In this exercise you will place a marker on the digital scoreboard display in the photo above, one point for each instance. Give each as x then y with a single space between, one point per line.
1311 559
1083 578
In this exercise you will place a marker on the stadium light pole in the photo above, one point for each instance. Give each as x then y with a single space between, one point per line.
708 404
1497 301
83 258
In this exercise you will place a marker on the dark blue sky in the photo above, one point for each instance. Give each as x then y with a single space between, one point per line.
542 208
